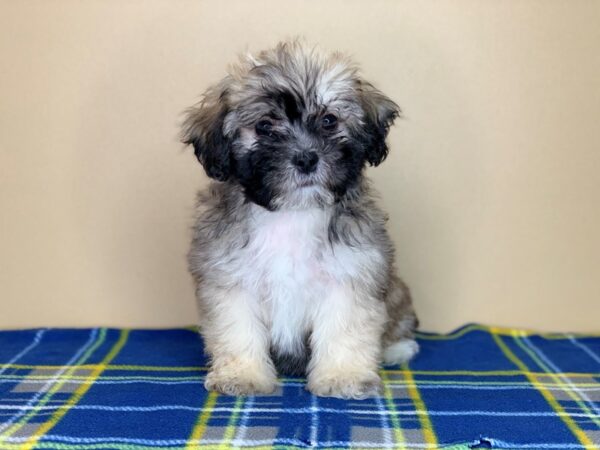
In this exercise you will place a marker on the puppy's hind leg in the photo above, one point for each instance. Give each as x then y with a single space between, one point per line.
399 345
400 351
237 342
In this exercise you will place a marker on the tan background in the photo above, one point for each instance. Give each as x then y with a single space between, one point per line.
492 183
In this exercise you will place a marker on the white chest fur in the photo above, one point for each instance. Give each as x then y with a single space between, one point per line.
290 268
286 268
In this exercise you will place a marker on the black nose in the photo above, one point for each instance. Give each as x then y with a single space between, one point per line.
306 162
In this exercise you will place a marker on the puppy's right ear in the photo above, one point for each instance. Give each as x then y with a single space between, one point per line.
203 128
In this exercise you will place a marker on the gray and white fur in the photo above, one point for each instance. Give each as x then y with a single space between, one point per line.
293 266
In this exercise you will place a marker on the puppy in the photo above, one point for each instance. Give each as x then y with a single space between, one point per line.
293 266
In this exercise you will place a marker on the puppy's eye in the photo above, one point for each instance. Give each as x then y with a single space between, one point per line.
264 127
329 122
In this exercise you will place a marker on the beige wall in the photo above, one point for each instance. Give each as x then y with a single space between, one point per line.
492 183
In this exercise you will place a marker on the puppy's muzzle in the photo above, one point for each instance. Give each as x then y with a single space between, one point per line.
306 162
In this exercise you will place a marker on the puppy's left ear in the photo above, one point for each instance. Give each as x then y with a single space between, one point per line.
380 113
204 129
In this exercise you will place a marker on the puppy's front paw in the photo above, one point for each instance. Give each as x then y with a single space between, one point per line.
345 385
231 380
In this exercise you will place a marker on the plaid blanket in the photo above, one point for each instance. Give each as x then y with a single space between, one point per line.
478 387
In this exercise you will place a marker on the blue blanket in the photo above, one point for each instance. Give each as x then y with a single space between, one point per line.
478 387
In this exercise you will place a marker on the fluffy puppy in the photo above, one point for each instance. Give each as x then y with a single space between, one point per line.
292 262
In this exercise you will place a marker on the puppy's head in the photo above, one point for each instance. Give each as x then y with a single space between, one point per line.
294 128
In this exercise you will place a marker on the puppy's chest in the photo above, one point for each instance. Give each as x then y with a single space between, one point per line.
287 251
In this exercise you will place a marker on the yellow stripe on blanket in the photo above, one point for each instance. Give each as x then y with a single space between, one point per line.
77 395
569 422
201 424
